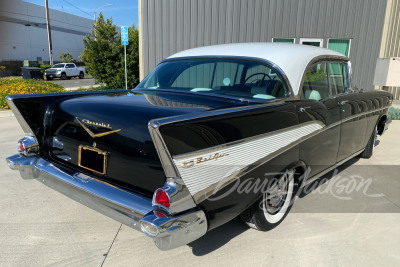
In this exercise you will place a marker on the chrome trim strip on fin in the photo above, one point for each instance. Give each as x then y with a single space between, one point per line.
180 198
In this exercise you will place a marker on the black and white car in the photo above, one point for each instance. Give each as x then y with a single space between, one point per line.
173 157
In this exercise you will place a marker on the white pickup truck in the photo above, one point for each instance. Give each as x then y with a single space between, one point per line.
64 71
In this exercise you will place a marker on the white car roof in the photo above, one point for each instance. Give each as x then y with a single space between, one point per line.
291 58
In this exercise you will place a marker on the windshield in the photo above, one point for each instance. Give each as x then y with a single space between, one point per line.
58 66
237 78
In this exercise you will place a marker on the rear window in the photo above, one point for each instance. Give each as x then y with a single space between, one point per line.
237 78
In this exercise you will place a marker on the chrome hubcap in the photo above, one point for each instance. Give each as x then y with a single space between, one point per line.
276 196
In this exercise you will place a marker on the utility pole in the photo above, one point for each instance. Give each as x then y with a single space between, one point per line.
49 32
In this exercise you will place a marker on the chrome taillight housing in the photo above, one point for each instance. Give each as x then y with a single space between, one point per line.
28 146
172 198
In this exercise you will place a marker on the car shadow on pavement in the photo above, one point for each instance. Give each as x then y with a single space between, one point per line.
218 237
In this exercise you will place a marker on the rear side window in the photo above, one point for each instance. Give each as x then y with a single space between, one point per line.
316 84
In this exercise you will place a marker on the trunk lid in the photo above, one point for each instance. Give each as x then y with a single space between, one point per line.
117 123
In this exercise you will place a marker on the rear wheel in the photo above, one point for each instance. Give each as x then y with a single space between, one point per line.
48 78
369 149
81 75
63 76
275 204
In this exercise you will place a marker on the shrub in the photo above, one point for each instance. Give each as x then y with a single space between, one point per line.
394 113
20 86
45 66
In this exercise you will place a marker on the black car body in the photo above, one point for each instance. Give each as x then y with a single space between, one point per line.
169 157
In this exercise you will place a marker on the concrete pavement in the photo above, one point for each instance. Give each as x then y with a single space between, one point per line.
39 226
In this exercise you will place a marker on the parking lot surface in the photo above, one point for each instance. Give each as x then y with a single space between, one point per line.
326 227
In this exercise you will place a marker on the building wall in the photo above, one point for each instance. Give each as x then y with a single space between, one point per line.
169 26
20 42
391 37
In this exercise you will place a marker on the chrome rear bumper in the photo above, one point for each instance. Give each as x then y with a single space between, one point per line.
123 206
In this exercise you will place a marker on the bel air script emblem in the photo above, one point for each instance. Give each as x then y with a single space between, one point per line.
199 160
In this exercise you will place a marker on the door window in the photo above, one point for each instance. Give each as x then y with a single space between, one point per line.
315 85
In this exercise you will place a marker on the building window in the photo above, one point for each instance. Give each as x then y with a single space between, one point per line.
340 45
283 40
312 42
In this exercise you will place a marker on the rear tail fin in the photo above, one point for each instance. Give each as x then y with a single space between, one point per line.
33 111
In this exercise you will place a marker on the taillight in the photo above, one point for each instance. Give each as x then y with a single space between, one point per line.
28 146
161 198
21 147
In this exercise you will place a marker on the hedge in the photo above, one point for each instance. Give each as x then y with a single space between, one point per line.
17 86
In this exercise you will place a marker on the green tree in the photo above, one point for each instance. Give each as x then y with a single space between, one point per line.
67 58
104 55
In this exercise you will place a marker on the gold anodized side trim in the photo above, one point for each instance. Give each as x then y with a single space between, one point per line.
92 134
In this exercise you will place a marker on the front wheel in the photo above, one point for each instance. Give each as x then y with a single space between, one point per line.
63 76
275 204
81 75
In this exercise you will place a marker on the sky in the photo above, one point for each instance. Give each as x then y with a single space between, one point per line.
123 12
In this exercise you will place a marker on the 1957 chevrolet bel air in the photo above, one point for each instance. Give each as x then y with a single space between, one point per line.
168 158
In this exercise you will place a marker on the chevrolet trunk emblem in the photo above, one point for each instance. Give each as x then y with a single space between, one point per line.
92 134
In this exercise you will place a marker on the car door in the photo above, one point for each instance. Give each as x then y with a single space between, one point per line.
67 70
353 107
71 70
319 152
